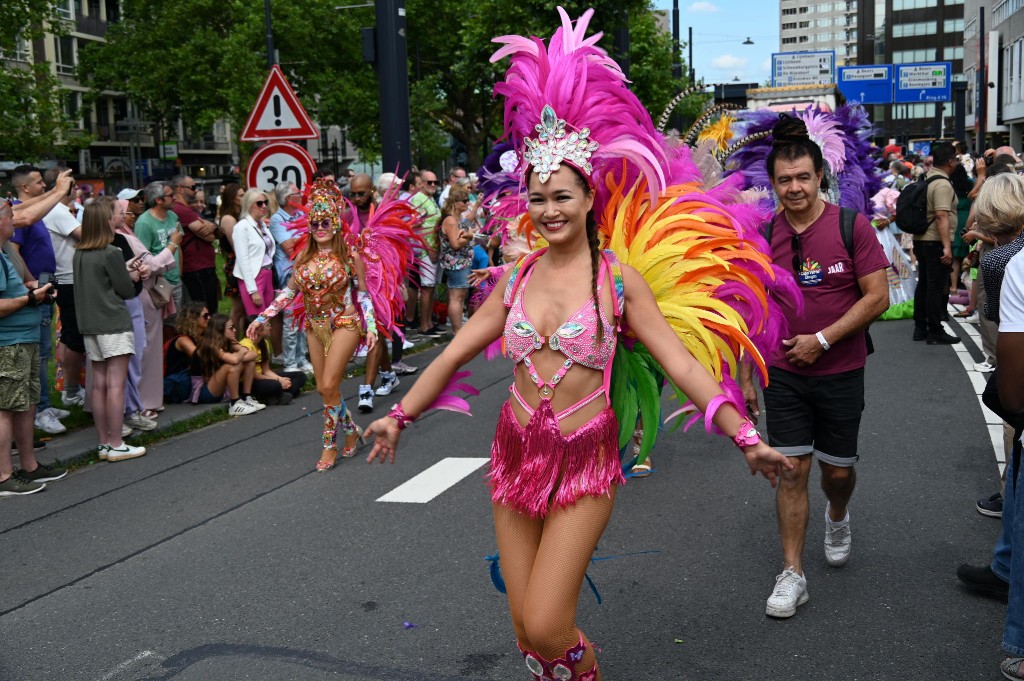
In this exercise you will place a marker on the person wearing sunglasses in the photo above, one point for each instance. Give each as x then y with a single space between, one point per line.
815 392
198 259
254 253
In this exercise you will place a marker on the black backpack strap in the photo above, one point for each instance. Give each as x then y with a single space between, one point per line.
847 216
767 229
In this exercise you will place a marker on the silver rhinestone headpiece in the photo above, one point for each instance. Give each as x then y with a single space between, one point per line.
553 146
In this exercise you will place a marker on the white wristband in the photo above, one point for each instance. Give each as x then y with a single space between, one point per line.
821 339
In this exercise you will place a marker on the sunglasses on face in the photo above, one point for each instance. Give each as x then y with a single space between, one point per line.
205 315
190 187
359 194
261 204
324 225
432 182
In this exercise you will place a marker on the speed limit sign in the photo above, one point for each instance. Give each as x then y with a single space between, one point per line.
279 162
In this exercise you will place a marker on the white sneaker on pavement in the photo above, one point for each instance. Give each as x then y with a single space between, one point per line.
837 540
985 367
403 369
139 422
790 591
365 399
306 367
125 451
388 382
126 430
253 402
292 369
48 423
241 408
973 319
76 398
58 413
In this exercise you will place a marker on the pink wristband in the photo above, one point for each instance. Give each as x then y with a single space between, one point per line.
399 415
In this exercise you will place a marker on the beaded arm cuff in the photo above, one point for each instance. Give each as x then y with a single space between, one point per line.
398 414
366 303
280 303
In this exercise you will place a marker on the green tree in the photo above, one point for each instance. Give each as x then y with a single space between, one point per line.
210 61
33 125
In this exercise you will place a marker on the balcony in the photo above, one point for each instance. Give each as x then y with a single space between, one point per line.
92 26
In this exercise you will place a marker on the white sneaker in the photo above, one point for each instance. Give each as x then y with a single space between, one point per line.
292 369
973 319
406 345
57 413
139 422
985 367
241 408
48 423
388 382
365 399
837 541
306 367
101 451
361 351
790 591
253 402
126 430
125 451
76 399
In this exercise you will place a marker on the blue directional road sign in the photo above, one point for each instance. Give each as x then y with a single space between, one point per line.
866 84
928 82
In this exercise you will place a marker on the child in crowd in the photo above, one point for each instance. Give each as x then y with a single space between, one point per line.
269 386
225 365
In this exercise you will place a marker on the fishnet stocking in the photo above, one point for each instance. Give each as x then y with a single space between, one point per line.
543 561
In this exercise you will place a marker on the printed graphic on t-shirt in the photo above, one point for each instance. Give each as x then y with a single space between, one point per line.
809 273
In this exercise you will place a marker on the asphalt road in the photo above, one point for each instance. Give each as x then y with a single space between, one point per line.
221 555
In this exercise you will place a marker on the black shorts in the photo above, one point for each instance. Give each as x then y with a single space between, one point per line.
69 334
817 415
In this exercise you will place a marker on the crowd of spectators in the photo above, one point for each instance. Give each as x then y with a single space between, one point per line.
129 288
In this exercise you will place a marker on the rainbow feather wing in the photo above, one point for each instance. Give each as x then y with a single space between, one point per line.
708 278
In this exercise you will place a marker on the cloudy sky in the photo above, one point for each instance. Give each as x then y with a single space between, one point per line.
719 29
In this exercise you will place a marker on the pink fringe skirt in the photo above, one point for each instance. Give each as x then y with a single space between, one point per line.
535 466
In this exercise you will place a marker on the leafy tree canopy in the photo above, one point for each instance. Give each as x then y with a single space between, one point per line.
32 121
202 60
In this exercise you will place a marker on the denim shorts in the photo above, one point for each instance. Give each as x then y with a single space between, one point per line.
457 278
817 415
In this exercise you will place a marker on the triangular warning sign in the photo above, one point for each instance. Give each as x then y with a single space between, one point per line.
278 114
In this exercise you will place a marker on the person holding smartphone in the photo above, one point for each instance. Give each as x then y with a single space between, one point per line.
456 253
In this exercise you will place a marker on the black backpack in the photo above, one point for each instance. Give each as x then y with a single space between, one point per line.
847 216
912 206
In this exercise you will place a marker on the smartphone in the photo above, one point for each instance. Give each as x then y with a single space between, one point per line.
71 189
45 278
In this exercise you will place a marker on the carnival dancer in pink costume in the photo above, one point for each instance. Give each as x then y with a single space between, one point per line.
344 287
562 313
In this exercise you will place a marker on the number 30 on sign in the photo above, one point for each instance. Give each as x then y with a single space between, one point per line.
279 162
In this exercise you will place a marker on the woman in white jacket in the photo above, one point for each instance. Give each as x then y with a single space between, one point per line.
254 253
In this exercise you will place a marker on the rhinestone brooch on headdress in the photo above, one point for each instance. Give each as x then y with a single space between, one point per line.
553 146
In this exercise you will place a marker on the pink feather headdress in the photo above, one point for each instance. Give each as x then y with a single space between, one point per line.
571 84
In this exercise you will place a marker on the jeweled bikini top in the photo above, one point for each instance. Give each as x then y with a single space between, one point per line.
576 338
324 282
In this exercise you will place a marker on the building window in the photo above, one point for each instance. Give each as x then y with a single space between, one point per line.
953 25
21 52
805 24
909 111
64 46
65 9
789 41
911 56
72 104
898 5
803 39
919 28
1003 10
788 10
803 10
951 53
789 27
820 23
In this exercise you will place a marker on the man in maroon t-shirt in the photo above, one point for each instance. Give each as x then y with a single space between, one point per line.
198 259
815 392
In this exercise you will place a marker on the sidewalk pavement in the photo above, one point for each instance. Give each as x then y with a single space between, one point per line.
78 445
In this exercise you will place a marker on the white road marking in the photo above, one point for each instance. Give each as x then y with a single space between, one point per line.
978 381
122 667
433 481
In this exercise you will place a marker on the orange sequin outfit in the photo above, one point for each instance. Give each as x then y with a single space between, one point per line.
325 283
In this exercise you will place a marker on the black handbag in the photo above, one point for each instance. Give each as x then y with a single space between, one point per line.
990 398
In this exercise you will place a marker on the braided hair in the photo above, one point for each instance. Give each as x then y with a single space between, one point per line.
790 141
595 253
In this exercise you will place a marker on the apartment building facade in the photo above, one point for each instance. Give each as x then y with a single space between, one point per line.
998 29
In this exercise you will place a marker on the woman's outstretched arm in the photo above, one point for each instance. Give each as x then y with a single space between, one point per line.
483 327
